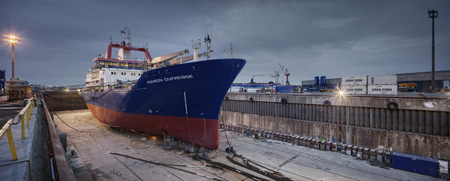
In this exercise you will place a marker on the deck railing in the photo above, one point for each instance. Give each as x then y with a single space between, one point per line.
24 115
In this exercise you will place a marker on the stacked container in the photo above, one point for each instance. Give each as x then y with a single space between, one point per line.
354 85
382 84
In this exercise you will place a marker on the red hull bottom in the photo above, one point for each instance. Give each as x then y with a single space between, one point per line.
198 131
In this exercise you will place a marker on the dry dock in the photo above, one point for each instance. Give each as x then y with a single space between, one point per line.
65 142
90 145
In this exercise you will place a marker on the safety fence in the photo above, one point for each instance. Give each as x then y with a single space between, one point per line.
23 116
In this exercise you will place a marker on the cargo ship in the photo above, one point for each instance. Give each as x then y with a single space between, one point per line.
162 95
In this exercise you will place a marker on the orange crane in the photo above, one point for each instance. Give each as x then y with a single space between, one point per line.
285 70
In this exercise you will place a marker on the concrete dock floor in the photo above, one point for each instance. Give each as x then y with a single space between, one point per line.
90 144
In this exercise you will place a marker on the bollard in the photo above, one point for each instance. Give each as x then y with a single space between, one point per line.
317 144
343 148
333 147
373 154
348 150
380 156
313 143
359 153
387 157
322 145
354 150
328 146
366 153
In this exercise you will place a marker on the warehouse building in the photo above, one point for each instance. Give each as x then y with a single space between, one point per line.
420 80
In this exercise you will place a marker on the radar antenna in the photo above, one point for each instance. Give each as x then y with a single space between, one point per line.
127 37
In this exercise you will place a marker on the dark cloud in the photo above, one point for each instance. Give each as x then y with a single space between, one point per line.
310 38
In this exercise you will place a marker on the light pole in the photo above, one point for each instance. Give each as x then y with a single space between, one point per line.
432 13
13 41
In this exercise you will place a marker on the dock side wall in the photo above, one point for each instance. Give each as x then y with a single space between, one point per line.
414 128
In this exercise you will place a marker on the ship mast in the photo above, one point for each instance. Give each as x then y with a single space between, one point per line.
125 54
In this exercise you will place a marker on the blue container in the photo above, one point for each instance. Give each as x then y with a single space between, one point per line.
323 80
316 80
416 164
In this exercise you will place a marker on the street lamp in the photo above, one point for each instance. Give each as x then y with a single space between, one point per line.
12 40
432 13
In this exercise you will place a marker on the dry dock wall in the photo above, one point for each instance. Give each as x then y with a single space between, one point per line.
64 100
419 126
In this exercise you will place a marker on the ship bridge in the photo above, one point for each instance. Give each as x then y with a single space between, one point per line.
120 64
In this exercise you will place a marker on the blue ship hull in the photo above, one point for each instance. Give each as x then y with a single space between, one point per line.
183 100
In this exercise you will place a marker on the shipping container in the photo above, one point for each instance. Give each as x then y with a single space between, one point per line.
382 80
354 89
355 80
382 89
416 164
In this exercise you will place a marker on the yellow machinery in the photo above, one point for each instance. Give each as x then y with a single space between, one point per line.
407 87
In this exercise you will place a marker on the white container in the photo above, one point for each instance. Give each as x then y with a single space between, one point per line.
354 89
355 80
382 80
382 89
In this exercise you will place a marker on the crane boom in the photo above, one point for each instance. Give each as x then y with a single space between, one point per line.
168 57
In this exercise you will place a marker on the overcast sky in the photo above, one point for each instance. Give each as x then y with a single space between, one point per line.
334 38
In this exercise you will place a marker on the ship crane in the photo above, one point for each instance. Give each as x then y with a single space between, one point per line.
285 70
178 57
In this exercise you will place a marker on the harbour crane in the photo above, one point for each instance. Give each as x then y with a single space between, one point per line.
285 70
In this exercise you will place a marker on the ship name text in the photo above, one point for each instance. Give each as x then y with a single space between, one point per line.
168 79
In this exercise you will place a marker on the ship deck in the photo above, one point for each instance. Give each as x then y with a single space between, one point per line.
91 143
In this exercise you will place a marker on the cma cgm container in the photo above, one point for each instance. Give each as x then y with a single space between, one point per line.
354 89
382 80
356 80
382 89
414 163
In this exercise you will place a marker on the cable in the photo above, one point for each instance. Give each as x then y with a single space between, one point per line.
73 127
166 165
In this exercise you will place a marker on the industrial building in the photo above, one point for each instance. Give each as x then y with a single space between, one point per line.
421 80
